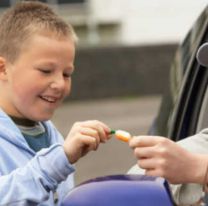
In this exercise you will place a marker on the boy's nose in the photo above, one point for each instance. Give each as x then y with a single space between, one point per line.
58 82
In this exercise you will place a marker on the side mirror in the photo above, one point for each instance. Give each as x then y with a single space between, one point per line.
121 190
202 54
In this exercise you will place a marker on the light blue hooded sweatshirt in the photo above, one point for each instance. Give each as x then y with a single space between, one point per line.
29 178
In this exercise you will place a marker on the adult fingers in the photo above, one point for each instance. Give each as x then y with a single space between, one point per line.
145 141
143 152
146 163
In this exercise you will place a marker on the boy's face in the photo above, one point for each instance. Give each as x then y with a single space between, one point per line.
40 78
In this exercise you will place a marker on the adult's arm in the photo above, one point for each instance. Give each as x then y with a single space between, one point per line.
187 193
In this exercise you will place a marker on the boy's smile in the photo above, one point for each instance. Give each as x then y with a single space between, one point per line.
39 79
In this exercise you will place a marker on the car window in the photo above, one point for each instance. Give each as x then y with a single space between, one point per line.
179 112
4 3
203 115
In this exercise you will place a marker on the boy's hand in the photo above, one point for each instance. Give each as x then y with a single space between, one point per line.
84 137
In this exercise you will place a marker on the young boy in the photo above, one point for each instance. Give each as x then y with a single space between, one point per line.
37 51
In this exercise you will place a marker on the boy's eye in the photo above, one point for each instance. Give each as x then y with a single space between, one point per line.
67 75
45 71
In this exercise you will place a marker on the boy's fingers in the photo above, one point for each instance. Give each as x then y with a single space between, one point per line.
90 143
90 133
101 133
100 127
79 146
95 123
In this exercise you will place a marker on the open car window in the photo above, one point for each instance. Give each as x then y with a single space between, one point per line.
203 115
179 116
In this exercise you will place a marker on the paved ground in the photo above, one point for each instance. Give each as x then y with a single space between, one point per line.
134 115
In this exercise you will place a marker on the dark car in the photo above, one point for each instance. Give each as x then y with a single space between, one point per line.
184 108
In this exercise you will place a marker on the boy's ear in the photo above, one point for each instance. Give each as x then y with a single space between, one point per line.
3 72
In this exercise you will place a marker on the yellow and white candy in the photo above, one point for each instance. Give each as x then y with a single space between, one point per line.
121 135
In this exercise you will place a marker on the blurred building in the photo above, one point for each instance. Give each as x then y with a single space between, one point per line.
125 46
126 22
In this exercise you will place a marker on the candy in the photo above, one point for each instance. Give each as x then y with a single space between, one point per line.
121 135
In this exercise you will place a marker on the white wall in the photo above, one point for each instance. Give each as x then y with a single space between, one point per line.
150 21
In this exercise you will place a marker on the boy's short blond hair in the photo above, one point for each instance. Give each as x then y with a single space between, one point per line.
25 19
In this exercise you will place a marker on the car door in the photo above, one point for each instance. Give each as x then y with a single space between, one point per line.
182 110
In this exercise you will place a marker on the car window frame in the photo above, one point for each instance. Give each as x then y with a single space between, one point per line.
190 98
178 114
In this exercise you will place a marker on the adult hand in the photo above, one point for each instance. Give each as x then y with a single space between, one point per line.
160 156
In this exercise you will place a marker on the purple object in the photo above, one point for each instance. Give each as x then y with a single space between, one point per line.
121 190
